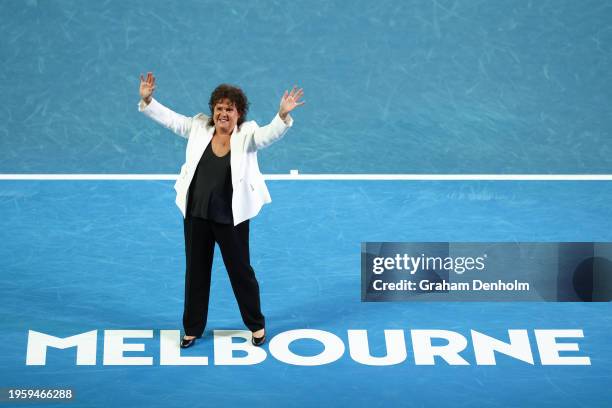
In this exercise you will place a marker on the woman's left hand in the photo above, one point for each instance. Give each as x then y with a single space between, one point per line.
290 101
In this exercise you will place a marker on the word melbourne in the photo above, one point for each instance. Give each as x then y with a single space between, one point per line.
233 347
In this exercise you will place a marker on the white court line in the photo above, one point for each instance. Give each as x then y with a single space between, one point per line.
294 176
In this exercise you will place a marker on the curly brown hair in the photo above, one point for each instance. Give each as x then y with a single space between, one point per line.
235 95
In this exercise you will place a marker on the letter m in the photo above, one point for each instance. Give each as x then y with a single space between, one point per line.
85 343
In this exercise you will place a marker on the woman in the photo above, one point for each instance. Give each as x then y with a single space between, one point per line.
219 189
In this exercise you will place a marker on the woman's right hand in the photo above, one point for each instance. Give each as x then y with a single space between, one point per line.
147 86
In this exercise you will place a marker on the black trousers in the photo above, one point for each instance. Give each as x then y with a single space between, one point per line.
200 238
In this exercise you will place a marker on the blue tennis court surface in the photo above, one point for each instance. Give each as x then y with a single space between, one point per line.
100 255
391 87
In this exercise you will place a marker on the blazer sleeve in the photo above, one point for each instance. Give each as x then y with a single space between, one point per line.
179 124
266 135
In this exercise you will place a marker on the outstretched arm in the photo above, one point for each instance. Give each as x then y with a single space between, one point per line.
266 135
179 124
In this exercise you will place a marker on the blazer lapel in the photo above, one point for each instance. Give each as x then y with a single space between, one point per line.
201 143
236 157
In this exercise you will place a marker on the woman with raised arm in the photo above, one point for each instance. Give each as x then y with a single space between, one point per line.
219 189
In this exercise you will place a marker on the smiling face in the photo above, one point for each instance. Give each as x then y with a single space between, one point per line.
225 116
228 107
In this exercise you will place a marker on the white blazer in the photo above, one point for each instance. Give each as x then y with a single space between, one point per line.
250 191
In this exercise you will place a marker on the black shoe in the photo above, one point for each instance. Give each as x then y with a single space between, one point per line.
188 343
258 341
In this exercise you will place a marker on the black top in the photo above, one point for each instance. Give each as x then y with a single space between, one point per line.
210 192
